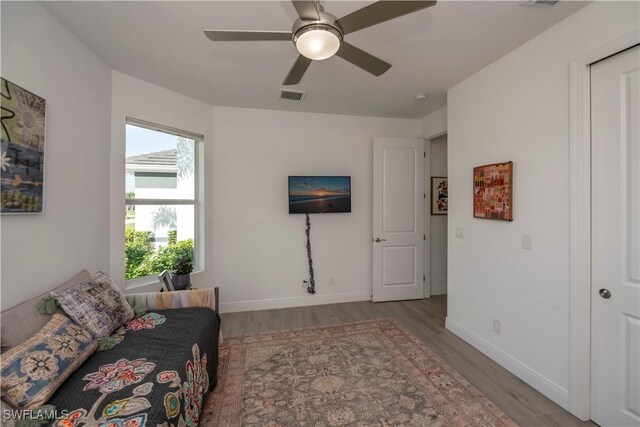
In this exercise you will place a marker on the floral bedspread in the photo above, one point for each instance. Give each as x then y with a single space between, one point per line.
158 375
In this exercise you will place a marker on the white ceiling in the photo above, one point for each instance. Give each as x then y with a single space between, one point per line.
431 50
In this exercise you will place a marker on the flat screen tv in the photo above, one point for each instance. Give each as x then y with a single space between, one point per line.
319 194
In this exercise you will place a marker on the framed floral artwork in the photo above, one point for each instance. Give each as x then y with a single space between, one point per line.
493 191
21 149
439 195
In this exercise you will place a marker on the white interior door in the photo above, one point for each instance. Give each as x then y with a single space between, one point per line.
615 300
398 226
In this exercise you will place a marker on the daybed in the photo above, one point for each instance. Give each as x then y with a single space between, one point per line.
155 370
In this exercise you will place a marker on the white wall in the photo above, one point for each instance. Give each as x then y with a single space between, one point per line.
254 250
438 223
517 109
41 251
259 249
138 99
434 124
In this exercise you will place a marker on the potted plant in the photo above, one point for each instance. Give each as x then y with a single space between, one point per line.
181 276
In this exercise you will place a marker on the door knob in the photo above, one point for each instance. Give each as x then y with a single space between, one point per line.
605 293
378 240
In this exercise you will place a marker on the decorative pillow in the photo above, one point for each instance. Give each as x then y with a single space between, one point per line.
97 305
33 370
23 321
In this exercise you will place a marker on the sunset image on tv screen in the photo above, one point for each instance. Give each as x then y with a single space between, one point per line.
319 194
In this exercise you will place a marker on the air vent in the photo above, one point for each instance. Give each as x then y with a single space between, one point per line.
292 95
538 3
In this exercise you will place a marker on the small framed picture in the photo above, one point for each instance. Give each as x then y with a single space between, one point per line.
439 195
165 280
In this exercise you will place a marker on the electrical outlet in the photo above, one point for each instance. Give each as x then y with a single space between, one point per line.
526 242
332 280
496 326
459 232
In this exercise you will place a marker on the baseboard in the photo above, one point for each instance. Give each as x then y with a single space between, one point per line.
438 289
544 385
303 301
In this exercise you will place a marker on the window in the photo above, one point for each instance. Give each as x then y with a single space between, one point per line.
161 198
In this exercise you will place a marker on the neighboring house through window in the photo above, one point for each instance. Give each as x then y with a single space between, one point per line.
161 198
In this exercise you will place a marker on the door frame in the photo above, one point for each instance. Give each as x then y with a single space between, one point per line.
580 220
427 211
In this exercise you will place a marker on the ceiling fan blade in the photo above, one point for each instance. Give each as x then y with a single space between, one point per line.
243 36
380 11
297 71
307 9
362 59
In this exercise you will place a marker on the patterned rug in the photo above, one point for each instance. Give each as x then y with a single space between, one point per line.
371 373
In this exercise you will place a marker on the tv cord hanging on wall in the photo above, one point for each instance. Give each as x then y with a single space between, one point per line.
311 285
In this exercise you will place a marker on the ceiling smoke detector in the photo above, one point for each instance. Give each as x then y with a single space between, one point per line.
538 3
421 97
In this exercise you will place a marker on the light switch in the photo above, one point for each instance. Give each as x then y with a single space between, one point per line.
459 232
496 326
526 242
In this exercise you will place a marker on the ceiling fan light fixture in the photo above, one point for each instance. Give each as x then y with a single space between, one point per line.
318 41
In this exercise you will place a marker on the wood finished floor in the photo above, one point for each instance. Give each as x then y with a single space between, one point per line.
425 319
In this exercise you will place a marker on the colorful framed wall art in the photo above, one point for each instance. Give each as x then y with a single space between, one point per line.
493 191
439 195
21 150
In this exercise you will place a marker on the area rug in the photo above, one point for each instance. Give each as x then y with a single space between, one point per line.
372 373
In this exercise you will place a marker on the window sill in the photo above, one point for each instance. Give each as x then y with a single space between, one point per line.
142 282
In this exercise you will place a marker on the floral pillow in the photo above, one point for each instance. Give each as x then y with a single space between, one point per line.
98 305
33 370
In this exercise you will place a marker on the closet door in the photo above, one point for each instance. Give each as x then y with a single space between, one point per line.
615 297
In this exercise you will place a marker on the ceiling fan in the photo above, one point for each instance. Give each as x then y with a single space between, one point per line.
319 35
